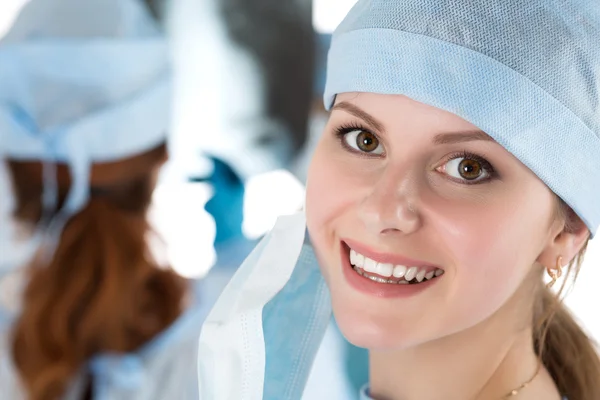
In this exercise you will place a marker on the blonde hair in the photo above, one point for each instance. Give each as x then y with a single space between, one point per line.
567 352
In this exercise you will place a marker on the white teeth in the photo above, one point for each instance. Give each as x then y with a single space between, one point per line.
399 271
370 265
384 269
411 273
359 260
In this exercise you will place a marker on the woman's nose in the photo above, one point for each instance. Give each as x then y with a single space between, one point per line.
391 205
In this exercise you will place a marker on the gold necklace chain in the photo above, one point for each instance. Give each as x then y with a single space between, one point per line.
516 391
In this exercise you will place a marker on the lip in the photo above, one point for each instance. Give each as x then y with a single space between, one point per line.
387 258
376 289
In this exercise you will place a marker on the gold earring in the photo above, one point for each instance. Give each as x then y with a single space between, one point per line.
555 272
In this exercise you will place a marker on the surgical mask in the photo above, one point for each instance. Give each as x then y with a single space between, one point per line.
261 338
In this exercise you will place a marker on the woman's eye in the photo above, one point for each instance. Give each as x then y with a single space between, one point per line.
364 142
467 169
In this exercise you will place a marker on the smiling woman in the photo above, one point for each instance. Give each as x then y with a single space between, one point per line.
407 247
457 172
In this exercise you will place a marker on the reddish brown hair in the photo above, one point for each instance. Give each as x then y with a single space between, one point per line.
102 291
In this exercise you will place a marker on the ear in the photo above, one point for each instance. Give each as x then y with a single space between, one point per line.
566 239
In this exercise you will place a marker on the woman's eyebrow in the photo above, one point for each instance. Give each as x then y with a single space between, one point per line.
442 138
461 137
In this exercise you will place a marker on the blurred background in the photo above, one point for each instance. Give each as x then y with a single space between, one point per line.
247 113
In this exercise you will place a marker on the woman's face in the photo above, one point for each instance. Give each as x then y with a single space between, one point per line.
422 195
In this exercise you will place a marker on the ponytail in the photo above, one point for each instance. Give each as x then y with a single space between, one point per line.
101 292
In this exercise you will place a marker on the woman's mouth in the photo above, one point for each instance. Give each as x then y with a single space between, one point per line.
385 275
389 273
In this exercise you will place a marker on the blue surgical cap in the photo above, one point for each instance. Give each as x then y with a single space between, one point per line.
525 72
83 81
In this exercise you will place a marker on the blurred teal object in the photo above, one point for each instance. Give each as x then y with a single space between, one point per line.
227 204
227 208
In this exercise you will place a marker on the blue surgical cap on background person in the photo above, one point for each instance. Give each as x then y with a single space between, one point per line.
82 81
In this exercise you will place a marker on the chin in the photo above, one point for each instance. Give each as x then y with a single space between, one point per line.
374 331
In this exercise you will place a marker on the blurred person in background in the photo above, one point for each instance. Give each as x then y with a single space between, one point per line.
88 310
245 72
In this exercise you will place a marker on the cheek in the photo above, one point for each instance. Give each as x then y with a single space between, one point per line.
330 192
505 224
323 205
492 246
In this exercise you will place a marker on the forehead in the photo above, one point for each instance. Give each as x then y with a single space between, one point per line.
397 111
